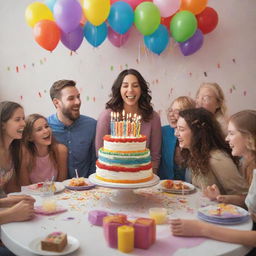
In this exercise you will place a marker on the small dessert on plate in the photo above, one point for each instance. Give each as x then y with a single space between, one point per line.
54 242
176 185
77 182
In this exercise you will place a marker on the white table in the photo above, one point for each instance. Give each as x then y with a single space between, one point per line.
17 236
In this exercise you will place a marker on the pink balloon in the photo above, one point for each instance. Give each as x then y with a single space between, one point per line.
117 39
167 7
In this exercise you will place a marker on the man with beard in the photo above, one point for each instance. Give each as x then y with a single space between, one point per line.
76 131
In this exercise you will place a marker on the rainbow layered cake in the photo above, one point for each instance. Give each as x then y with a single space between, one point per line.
54 242
124 160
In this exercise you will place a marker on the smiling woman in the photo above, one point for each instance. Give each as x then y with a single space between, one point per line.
11 124
42 157
130 92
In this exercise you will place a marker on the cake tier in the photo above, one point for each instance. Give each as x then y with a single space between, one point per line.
131 159
118 174
124 144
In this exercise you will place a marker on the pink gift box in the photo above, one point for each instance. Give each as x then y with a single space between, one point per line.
96 217
144 233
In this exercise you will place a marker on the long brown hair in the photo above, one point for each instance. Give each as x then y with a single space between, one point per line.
206 137
7 108
116 102
245 123
30 145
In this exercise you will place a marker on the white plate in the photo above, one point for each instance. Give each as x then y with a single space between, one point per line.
234 212
89 186
190 188
35 246
27 189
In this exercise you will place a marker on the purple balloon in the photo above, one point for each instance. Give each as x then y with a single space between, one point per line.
117 39
193 44
67 14
73 39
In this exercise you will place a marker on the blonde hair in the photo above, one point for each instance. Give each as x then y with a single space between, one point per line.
245 123
222 110
184 102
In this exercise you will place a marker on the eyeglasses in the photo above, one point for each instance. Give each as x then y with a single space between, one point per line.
173 111
205 99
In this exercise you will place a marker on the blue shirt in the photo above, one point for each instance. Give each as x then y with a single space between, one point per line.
168 168
80 141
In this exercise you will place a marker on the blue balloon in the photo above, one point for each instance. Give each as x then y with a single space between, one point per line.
158 41
95 35
50 4
121 17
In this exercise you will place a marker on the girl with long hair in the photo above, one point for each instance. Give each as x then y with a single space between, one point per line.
42 157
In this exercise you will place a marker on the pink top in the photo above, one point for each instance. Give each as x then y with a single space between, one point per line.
43 170
152 129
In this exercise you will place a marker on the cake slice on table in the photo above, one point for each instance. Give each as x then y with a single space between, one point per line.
54 242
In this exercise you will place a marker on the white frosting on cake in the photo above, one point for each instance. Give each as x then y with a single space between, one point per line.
127 146
124 175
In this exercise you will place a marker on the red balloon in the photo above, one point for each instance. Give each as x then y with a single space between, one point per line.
47 34
166 21
207 20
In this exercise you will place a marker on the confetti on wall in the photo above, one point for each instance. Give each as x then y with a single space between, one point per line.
234 60
190 74
218 65
205 74
94 99
245 93
39 94
111 68
87 98
17 69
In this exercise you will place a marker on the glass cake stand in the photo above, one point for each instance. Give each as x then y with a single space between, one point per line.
124 193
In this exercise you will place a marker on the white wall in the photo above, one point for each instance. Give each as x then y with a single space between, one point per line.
228 57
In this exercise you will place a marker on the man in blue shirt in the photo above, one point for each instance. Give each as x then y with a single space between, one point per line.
76 131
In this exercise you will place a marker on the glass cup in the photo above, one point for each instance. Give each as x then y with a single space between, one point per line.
158 214
48 188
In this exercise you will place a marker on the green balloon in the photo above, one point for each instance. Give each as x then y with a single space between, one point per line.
183 26
147 18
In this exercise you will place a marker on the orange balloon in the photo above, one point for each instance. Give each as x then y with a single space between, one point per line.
194 6
47 34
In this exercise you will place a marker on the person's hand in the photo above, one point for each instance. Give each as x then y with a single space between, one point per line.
212 192
9 201
182 227
22 211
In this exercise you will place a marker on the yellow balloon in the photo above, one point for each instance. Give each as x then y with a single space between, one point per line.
96 11
37 11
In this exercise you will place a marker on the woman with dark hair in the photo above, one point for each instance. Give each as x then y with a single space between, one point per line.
11 128
206 153
130 93
42 157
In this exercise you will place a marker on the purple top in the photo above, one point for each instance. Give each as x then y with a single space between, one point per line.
152 129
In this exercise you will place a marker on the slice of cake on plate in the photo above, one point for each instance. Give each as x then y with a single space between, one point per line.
54 242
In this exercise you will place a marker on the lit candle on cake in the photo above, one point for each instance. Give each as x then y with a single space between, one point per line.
112 123
125 238
158 214
139 125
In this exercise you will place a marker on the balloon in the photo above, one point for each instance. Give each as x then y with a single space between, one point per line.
207 20
47 34
36 12
183 26
96 11
167 7
67 14
50 4
158 41
194 6
121 17
146 18
95 35
117 39
132 3
73 39
193 44
166 21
